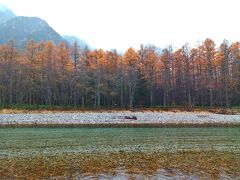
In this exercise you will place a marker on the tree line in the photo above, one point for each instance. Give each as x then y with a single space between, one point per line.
48 74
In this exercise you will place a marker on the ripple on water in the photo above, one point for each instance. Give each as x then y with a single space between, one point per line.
187 153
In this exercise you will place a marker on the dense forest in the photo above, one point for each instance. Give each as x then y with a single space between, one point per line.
48 74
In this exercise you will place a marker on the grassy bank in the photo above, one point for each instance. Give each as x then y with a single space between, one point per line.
25 108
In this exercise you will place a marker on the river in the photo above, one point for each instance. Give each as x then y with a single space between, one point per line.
120 153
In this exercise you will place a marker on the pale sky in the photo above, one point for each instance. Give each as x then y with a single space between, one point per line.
119 24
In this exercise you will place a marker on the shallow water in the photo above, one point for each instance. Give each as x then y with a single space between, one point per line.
122 153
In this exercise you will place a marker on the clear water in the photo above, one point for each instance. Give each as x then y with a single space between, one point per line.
56 142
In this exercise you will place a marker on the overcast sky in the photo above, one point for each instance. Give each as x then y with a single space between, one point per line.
119 24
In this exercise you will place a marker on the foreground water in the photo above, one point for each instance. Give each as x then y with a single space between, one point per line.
120 153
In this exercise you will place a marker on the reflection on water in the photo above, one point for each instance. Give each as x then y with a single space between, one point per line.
120 153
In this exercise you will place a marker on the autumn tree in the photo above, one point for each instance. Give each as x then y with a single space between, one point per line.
187 76
208 50
131 62
9 57
48 74
113 79
149 69
75 57
234 73
166 59
223 58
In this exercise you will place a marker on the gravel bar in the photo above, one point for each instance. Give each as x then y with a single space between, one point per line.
105 118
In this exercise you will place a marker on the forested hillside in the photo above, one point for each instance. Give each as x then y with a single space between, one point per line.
48 74
22 29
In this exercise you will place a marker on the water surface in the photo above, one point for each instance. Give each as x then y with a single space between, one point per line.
120 152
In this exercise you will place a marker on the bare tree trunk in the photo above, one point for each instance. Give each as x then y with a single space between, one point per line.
98 95
211 96
83 104
151 97
226 94
121 95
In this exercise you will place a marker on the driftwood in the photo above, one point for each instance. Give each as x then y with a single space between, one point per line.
126 117
130 117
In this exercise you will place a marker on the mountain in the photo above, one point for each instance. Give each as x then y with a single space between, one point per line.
22 29
5 14
72 39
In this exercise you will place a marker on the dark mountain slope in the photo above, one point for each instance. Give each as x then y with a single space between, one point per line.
22 29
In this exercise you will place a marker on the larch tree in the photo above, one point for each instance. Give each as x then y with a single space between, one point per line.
187 76
151 59
224 55
131 60
48 74
208 48
75 84
234 73
166 59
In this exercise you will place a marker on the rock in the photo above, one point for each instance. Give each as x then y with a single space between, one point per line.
130 117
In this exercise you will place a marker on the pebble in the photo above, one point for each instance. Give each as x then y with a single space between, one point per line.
115 118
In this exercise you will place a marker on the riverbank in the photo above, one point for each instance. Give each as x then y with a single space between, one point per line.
43 109
119 119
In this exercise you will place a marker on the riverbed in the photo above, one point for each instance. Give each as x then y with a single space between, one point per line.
122 153
123 118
